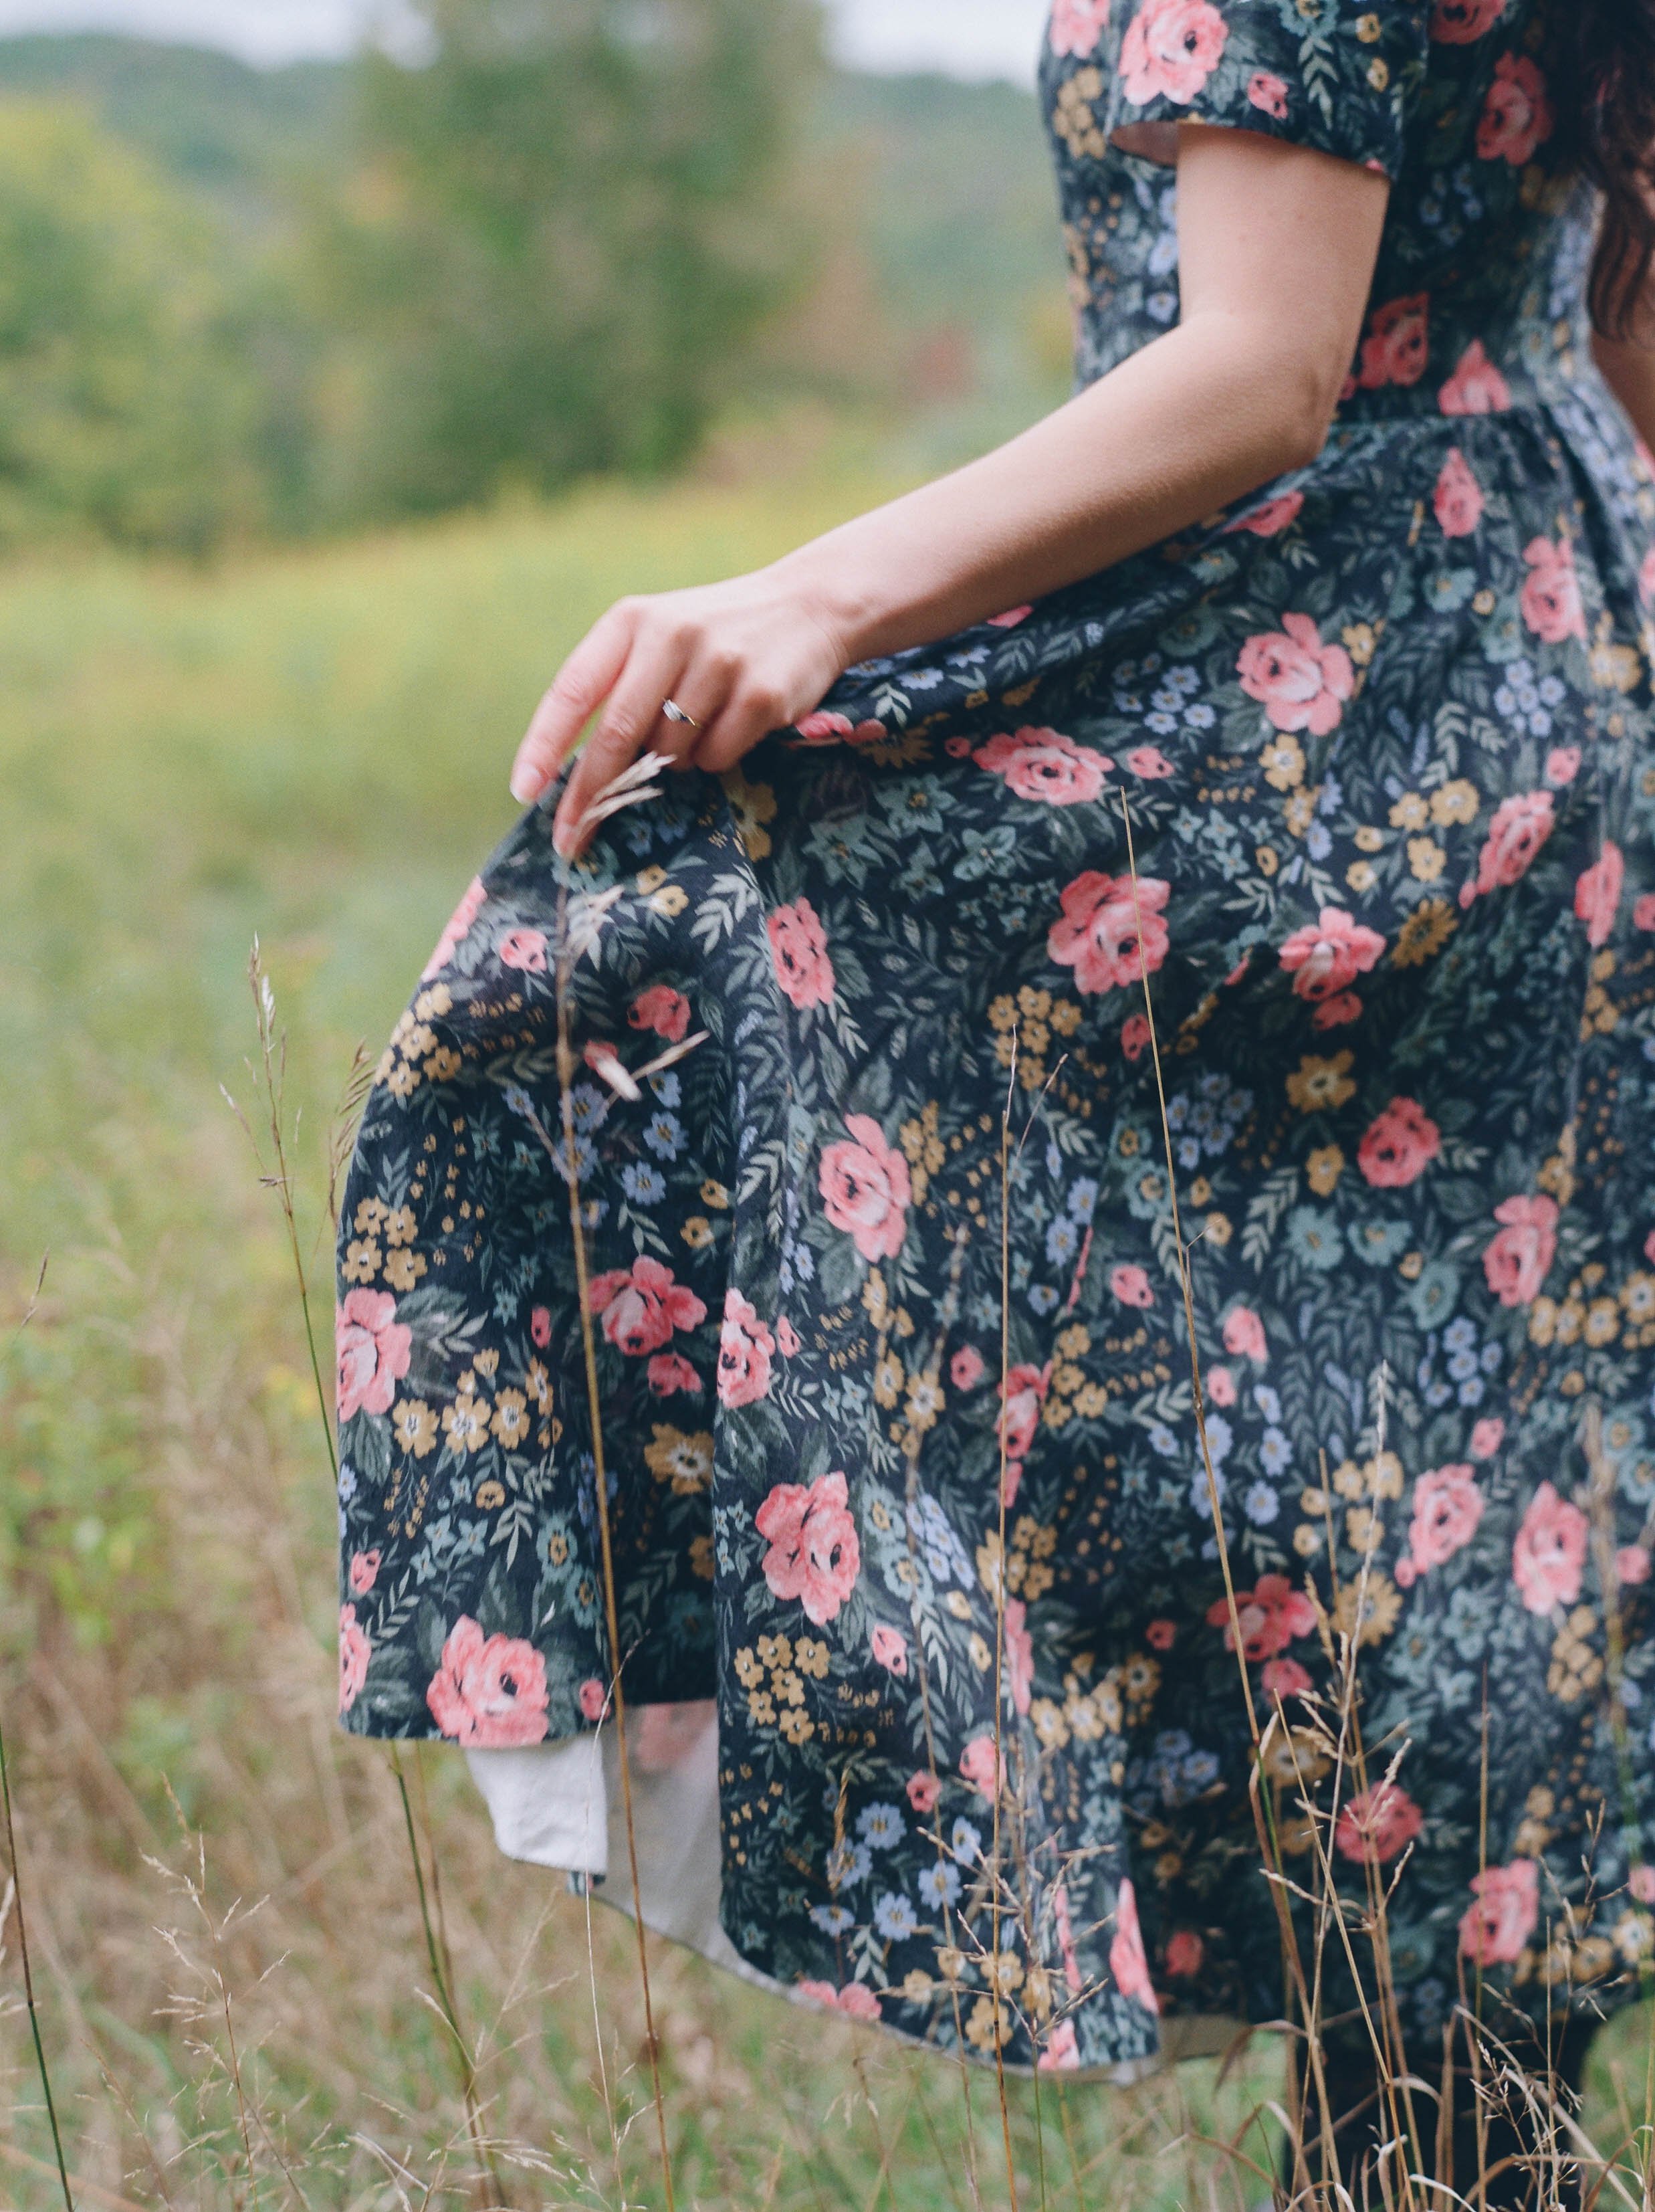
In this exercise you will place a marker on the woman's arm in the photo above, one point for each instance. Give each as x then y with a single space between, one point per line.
1276 249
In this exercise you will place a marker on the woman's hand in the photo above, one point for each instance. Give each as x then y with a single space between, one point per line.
742 658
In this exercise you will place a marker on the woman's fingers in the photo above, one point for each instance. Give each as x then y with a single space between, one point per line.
577 688
752 710
628 723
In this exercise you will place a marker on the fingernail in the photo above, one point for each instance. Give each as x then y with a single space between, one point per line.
563 840
526 786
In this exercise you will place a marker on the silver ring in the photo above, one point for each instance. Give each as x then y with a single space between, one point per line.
675 713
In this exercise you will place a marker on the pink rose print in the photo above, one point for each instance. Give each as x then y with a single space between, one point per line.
1521 827
787 1339
1631 1564
592 1698
1562 764
1019 1655
1062 2052
355 1652
1517 115
865 1188
1301 684
1075 27
1495 1928
890 1649
1135 1036
1462 23
1550 1551
745 1348
815 1556
1148 761
1488 1436
1161 1635
1244 1335
1221 1386
1284 1678
1127 1963
923 1792
1185 1953
799 952
1458 500
540 1326
1447 1506
856 2000
1171 48
363 1572
488 1692
1023 1390
373 1348
525 950
1098 934
1268 94
1326 956
1131 1285
1597 893
1044 764
1013 616
1643 912
1477 386
822 728
668 1372
662 1010
457 930
1399 1145
1395 344
1551 597
1276 514
1333 1013
965 1369
980 1767
638 1307
1271 1615
1516 1260
1376 1823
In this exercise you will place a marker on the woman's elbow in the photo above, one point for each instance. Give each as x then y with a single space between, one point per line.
1310 394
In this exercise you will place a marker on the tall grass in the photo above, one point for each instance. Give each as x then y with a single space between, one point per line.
267 1968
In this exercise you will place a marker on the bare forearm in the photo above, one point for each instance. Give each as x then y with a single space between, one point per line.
1202 416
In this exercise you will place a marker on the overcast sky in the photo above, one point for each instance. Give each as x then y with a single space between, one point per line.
969 38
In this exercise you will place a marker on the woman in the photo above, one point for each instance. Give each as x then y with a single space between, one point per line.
1289 684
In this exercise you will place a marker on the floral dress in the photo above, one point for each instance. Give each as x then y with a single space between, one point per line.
859 1120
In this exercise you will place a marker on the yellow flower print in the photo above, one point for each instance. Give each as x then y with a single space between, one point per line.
1299 813
511 1421
776 1652
1409 811
1368 1608
697 1233
465 1423
404 1269
400 1225
670 900
796 1726
402 1081
887 1380
1283 762
443 1065
1367 839
539 1384
715 1195
1323 1168
435 1002
753 804
748 1673
1318 1085
369 1215
414 1426
491 1495
684 1461
1455 802
1426 859
1360 876
1360 638
701 1558
981 1657
649 880
810 1657
361 1261
1424 933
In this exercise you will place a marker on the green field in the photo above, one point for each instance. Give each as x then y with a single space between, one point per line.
314 747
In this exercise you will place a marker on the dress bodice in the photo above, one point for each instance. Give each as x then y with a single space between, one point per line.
1478 294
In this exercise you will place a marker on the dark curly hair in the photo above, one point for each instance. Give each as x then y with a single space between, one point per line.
1607 89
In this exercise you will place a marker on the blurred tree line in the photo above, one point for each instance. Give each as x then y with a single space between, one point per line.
564 241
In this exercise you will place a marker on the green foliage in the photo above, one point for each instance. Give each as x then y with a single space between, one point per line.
120 405
581 223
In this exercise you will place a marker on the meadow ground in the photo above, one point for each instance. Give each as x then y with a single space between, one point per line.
235 1991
